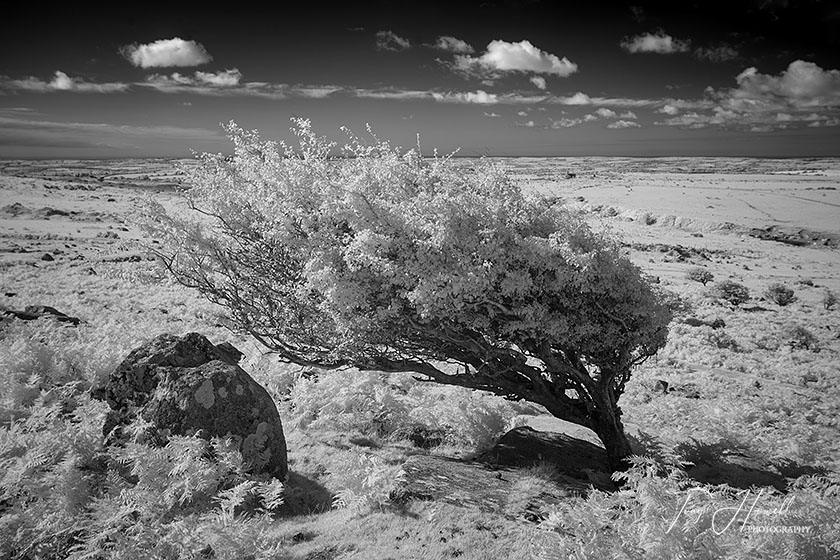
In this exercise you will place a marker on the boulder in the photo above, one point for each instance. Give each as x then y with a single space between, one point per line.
188 386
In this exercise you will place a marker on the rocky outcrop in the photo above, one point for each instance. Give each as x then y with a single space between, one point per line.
32 312
188 386
799 237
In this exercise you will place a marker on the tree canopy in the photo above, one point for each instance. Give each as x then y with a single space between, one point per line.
380 258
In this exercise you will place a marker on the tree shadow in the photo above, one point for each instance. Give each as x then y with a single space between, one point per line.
725 462
305 496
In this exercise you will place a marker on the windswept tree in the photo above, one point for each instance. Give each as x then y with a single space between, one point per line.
382 259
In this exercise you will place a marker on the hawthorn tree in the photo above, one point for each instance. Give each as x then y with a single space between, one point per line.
381 259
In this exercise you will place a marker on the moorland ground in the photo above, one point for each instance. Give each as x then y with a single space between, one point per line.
759 388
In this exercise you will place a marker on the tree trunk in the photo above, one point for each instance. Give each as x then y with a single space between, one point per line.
610 430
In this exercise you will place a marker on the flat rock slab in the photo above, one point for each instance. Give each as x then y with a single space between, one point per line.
499 482
504 491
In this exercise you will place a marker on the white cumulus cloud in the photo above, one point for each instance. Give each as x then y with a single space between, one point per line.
804 94
578 98
452 44
501 56
390 41
538 81
659 43
802 84
166 53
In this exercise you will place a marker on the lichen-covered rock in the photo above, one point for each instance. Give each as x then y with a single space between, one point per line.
188 386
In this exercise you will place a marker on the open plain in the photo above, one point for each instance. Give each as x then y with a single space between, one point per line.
752 387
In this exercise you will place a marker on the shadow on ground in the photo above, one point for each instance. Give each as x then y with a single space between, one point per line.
305 496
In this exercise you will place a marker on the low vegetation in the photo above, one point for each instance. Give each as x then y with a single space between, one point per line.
731 292
779 294
699 274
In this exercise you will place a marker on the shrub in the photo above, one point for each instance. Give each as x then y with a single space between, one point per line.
390 261
731 291
829 299
779 294
699 274
799 338
722 340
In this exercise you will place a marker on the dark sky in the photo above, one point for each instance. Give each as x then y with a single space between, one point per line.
735 78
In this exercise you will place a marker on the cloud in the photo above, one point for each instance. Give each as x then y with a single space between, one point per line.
522 113
61 82
719 53
390 41
213 85
528 124
501 57
622 124
492 115
390 93
538 81
803 94
579 98
597 115
480 97
177 82
828 121
226 78
802 84
166 53
660 43
451 44
564 123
